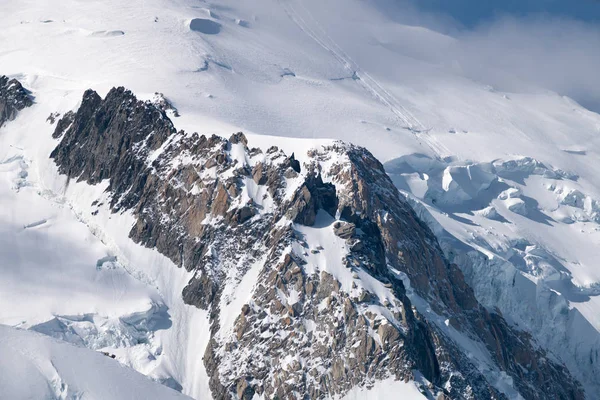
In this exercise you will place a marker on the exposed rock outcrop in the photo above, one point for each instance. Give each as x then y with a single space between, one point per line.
13 98
342 283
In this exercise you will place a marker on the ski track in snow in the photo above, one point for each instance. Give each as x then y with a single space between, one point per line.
369 84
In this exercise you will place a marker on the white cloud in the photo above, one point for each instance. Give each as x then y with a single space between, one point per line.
548 52
513 46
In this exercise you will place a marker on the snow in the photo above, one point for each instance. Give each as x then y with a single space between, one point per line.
236 294
45 250
325 252
295 74
34 366
78 277
189 329
386 389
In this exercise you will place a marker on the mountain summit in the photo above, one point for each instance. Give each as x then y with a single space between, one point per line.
317 274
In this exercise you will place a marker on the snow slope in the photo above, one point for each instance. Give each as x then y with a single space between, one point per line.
525 235
88 286
34 366
385 390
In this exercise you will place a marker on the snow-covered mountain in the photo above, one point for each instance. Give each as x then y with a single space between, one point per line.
504 175
309 268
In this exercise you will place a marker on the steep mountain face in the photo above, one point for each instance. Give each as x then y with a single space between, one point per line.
13 98
318 276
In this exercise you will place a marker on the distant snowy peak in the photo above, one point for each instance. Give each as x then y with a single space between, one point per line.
318 276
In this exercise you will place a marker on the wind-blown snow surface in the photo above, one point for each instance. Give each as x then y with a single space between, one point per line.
34 366
512 176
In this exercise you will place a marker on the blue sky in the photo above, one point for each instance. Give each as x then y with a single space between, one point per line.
471 13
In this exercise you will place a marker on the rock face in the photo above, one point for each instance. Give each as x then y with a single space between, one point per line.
13 98
318 276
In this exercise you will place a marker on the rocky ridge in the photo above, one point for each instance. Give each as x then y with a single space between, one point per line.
317 274
13 98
